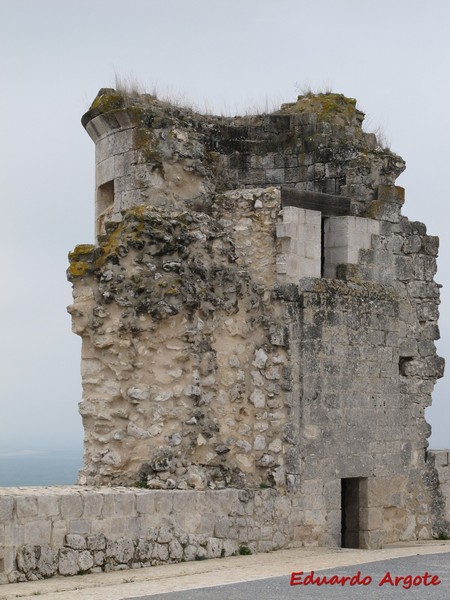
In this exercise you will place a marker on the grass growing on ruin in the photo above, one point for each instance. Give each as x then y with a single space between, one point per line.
129 91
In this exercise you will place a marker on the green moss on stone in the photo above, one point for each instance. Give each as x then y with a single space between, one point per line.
335 108
108 101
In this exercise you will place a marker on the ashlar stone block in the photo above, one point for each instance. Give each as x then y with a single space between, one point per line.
71 506
93 502
75 541
26 506
125 504
48 506
38 532
145 503
6 508
371 519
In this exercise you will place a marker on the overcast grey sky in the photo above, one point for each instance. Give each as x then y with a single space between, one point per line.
393 56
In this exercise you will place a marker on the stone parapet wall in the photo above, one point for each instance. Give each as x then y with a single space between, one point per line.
64 531
46 532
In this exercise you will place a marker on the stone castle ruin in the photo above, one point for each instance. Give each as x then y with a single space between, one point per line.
258 323
258 313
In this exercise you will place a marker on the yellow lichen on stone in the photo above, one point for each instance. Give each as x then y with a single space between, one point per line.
374 209
78 268
79 260
81 250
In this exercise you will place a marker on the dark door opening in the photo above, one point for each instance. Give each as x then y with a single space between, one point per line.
350 511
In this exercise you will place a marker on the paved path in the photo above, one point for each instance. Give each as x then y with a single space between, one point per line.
371 575
160 582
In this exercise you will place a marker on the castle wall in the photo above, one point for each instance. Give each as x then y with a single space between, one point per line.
352 422
45 532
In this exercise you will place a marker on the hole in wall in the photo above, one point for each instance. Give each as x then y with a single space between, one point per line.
403 365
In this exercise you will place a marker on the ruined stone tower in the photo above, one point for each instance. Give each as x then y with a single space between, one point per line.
257 313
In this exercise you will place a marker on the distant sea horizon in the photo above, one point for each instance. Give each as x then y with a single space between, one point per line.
39 467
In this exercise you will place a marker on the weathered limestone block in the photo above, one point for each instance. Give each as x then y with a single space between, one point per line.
92 505
76 542
47 564
120 551
85 561
27 558
27 506
59 531
68 562
96 542
37 531
175 550
144 550
225 528
47 505
71 506
161 553
6 508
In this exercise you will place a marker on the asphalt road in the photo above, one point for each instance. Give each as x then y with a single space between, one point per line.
279 588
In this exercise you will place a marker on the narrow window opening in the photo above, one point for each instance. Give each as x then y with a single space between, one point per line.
350 512
105 204
322 246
